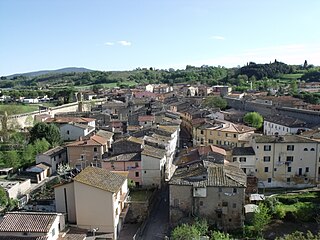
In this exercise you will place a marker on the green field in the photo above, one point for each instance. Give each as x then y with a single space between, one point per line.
291 76
12 109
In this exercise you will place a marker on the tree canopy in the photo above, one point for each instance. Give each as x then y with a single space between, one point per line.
253 119
50 132
215 102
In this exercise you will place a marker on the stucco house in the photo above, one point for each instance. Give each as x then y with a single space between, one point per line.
87 151
283 125
73 131
246 158
95 199
208 190
286 161
31 225
53 157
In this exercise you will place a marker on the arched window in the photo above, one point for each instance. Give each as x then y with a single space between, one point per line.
305 149
312 149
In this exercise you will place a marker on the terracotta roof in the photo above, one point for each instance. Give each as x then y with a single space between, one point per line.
209 174
69 119
100 178
27 222
92 141
146 118
105 134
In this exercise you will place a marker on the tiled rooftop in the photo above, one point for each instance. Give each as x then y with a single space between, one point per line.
100 178
27 222
209 174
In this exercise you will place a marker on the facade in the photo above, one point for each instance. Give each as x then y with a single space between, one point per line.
208 190
95 199
15 189
86 152
74 131
221 133
32 225
130 162
53 157
280 125
246 157
286 161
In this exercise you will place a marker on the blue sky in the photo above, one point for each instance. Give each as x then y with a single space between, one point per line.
126 34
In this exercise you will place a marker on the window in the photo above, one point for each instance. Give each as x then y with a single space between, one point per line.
275 169
59 155
211 132
234 135
266 169
289 158
234 190
305 149
288 180
243 159
210 141
137 174
136 164
145 171
68 132
267 147
95 149
53 232
224 204
234 159
289 169
201 132
201 203
312 149
290 147
219 215
227 134
234 205
307 169
244 170
266 158
269 180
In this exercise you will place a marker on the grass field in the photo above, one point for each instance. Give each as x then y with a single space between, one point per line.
140 195
12 109
291 76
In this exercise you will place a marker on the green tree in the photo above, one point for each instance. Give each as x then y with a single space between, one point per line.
50 132
3 197
12 159
185 232
253 119
261 219
300 236
293 87
40 146
215 102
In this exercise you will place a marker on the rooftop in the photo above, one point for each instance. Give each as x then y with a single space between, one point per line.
101 178
34 222
207 174
282 139
241 151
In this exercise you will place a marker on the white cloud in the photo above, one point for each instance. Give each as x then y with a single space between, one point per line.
109 43
218 38
124 43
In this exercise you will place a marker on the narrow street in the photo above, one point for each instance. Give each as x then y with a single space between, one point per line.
158 223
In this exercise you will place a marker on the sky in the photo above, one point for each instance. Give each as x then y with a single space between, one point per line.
126 34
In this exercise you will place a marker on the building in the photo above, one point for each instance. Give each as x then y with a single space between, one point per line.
31 225
74 131
286 161
208 190
87 151
283 125
95 199
146 121
130 162
53 157
223 133
246 157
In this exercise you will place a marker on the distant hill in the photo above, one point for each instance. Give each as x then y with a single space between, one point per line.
43 72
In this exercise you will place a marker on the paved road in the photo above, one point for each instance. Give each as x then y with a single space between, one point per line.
158 223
